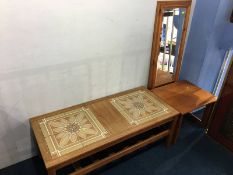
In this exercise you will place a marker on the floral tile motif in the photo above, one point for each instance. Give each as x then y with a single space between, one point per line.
139 107
71 130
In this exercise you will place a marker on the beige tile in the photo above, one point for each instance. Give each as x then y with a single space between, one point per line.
71 130
139 107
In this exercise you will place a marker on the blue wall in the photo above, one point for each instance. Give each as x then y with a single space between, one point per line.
211 34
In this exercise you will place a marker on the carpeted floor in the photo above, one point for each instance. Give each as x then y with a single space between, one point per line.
194 154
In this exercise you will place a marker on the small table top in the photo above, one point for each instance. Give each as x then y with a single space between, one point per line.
184 96
79 131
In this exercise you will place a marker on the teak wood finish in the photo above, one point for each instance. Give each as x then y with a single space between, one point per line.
119 132
164 4
185 98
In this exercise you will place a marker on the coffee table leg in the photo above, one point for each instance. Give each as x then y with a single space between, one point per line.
51 171
177 129
169 140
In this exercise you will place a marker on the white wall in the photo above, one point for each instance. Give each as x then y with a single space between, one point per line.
58 53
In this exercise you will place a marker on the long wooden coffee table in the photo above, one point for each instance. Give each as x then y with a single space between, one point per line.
103 130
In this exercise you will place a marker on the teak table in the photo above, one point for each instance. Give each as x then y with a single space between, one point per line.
185 98
95 133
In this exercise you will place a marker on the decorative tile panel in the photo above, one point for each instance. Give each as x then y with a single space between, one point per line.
72 130
139 107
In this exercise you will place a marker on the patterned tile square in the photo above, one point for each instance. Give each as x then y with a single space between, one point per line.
71 130
139 107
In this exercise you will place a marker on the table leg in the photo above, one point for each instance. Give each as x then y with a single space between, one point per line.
51 171
171 135
207 115
177 129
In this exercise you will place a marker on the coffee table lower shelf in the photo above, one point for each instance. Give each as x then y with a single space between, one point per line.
99 161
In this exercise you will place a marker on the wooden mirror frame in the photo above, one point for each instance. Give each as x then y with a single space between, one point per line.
164 4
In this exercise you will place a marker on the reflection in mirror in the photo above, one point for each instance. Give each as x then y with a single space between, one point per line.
172 26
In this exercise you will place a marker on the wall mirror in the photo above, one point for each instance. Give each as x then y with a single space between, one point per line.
172 18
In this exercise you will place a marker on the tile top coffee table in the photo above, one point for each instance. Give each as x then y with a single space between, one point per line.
95 128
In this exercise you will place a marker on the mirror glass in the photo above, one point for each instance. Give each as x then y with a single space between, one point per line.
171 32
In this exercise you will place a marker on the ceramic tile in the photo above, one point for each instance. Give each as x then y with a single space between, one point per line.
139 107
71 130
